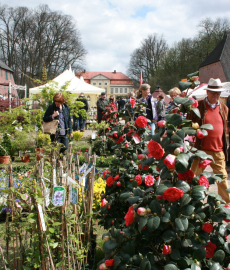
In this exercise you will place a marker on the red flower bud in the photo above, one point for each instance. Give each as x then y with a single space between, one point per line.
118 184
166 249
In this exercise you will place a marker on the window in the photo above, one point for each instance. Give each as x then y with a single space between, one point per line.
6 75
100 84
106 83
121 90
105 90
116 90
94 83
126 90
111 90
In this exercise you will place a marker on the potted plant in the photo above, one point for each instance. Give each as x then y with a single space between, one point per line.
41 141
5 148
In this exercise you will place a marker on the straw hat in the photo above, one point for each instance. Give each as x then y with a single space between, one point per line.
214 85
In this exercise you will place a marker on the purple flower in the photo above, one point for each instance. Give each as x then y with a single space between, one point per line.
4 210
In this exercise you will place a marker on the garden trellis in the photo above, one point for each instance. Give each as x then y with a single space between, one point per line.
40 234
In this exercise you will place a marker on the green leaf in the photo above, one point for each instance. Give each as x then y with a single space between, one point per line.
219 256
199 254
187 210
155 207
216 266
174 119
51 230
189 131
181 224
168 236
142 222
203 155
153 223
182 162
145 264
186 243
117 261
166 174
132 200
196 111
156 137
170 266
175 254
110 244
125 196
207 126
199 188
183 186
26 268
161 189
185 199
24 198
198 195
166 217
194 266
176 138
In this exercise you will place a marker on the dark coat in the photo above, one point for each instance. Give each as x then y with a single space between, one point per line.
66 113
101 107
84 100
195 119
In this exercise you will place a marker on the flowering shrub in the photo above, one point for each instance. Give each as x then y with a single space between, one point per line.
162 215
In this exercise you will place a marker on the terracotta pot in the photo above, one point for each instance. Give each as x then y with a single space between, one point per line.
25 159
40 150
4 159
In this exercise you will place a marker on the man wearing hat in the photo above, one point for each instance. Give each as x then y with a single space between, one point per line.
213 112
101 105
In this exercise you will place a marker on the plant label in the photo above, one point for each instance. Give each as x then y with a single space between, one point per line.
54 177
73 195
58 197
73 182
41 217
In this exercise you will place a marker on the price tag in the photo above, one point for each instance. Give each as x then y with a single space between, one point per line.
58 197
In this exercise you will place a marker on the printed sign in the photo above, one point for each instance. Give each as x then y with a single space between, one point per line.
73 195
58 197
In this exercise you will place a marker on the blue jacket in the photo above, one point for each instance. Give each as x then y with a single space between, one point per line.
151 110
66 113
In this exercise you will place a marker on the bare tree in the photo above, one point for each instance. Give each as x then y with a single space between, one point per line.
147 58
32 39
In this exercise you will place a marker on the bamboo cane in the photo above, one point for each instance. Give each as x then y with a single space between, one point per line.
3 259
62 212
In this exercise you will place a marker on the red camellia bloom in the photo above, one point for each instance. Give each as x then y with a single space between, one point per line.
109 181
186 176
138 179
102 266
204 163
118 183
141 211
170 161
129 217
105 172
155 149
115 134
200 134
210 250
120 139
104 202
144 168
195 104
203 181
149 180
161 123
141 121
207 227
109 262
141 157
116 177
166 249
130 132
132 101
227 206
173 194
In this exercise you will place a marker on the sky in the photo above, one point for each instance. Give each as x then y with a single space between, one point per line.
112 29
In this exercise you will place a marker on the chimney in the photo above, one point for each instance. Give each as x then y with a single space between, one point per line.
84 71
115 71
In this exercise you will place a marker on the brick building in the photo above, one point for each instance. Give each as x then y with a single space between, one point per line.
217 64
6 76
113 83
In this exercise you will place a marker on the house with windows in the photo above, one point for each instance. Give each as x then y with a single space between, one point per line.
113 83
6 76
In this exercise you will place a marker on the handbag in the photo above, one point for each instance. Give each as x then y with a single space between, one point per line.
50 127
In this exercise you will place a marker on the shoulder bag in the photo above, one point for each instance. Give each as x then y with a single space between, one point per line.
50 127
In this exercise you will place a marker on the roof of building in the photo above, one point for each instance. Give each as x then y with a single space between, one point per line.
4 66
88 75
159 91
220 53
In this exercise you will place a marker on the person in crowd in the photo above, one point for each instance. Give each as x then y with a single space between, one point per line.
151 111
129 111
60 111
174 92
160 107
101 106
122 104
79 122
112 103
213 112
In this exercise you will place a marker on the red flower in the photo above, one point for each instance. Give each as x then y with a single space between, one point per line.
144 168
138 179
115 134
200 134
118 183
132 101
120 139
204 163
109 181
141 121
173 194
109 262
203 181
170 161
195 104
155 149
207 227
129 217
186 176
161 123
106 172
166 249
141 211
141 157
158 169
130 132
227 206
149 180
104 202
102 266
116 177
210 250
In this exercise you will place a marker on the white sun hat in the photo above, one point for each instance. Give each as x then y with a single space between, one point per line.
214 85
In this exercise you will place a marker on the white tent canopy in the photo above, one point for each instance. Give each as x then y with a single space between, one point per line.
76 85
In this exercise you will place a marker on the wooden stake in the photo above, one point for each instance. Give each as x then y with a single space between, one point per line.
3 259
